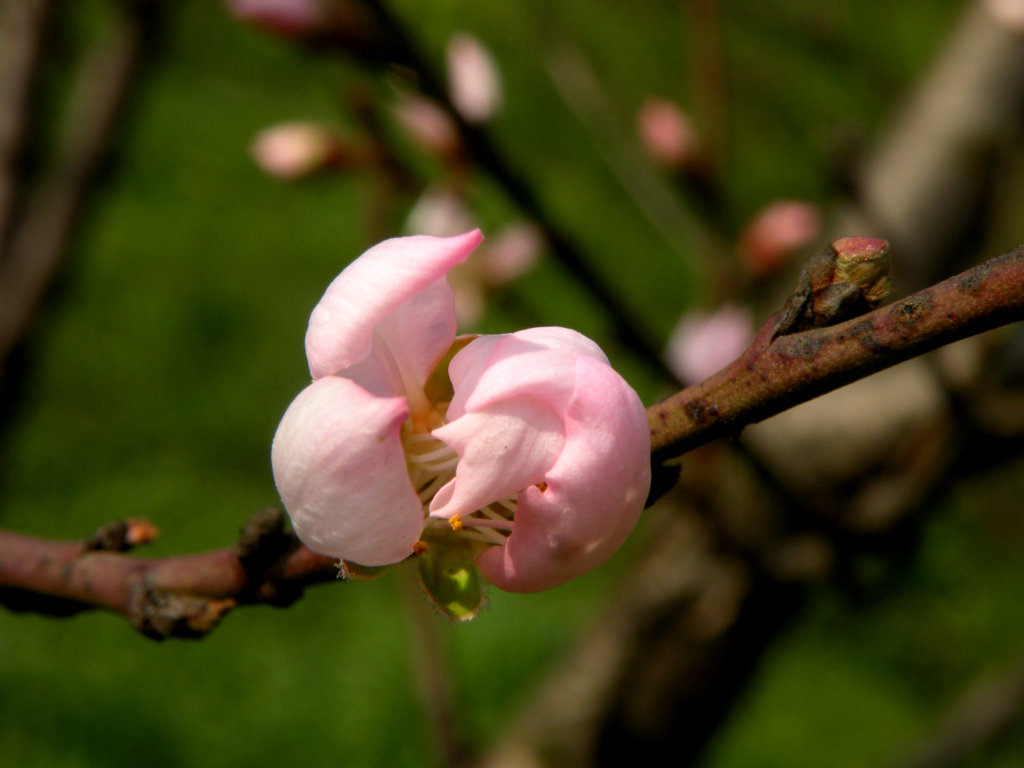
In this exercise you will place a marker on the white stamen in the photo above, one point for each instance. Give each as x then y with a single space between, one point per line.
486 535
476 522
432 464
493 514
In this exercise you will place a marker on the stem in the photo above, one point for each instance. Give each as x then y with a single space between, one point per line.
772 376
430 671
182 596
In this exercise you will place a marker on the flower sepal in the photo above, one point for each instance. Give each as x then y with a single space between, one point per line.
349 571
449 576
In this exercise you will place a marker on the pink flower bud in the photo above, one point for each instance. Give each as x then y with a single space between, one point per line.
667 133
439 212
287 18
702 343
776 232
474 82
428 125
294 150
511 252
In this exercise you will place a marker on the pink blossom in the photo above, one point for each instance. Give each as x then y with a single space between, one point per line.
509 253
474 81
529 445
702 343
514 250
428 125
289 18
778 230
293 150
440 211
667 133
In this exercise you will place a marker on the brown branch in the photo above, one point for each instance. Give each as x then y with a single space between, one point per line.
182 596
23 28
772 376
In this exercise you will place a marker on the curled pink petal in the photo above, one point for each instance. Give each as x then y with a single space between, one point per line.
340 468
593 495
497 367
501 451
564 339
376 285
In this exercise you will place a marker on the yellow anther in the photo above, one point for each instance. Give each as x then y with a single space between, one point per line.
455 521
419 547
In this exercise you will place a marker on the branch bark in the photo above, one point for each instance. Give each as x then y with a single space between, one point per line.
184 596
773 375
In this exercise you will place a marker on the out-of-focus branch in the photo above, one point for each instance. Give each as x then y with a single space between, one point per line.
576 82
485 154
22 32
164 597
773 375
44 229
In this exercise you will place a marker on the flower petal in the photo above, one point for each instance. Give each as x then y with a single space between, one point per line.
505 418
595 491
565 339
373 287
536 361
340 468
501 451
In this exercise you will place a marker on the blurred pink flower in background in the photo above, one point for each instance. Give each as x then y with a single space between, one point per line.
502 258
474 81
428 125
294 150
667 133
288 18
702 343
527 446
776 233
440 211
511 252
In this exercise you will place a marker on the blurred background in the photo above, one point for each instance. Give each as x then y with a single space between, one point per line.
180 181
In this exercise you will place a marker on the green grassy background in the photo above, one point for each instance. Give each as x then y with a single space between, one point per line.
174 343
